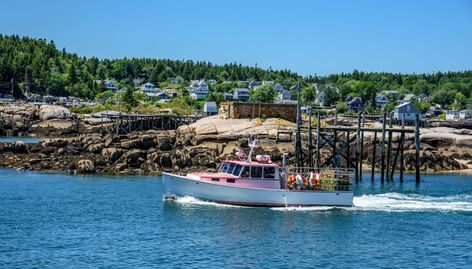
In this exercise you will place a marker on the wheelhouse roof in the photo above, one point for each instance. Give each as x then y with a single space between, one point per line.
244 163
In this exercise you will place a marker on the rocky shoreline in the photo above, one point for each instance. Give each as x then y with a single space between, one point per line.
198 146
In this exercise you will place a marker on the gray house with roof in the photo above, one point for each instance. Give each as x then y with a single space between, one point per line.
406 112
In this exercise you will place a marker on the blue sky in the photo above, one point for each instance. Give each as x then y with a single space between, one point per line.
308 37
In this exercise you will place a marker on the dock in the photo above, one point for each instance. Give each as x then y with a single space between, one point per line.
116 124
342 141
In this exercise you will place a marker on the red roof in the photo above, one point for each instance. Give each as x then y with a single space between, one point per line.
251 163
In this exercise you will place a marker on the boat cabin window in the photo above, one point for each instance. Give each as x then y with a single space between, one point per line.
224 168
230 168
269 172
245 172
237 170
256 171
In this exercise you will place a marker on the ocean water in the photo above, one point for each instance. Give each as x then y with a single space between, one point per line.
26 139
64 221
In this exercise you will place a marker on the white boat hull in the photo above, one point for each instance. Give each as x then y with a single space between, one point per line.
227 194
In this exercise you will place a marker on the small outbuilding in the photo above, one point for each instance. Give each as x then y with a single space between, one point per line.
210 108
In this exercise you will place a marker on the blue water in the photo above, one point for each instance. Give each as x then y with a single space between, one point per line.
63 221
13 139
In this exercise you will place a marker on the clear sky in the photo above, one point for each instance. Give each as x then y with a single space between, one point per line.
308 37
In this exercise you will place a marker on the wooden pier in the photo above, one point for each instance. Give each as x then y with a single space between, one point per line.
116 124
339 141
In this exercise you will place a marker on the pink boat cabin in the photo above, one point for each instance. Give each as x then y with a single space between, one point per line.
253 174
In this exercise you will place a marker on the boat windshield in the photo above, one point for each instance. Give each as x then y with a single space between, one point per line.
237 170
230 168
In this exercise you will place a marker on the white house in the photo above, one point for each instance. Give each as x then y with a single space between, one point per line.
278 87
320 98
405 111
408 98
150 90
284 96
198 89
465 114
381 100
210 108
267 82
241 94
452 115
254 84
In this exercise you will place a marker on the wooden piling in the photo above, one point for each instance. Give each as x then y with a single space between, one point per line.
348 148
382 149
335 153
389 147
373 156
402 141
310 143
318 139
358 143
417 147
362 147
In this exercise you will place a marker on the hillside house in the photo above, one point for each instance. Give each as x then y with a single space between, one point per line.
176 80
452 115
149 90
278 87
320 98
254 84
465 114
198 89
228 96
408 98
423 97
210 108
406 112
284 96
110 85
354 104
172 93
381 100
241 94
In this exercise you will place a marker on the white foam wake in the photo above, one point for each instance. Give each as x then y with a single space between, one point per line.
398 202
387 202
189 200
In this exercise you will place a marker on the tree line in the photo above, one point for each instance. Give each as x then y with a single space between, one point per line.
38 66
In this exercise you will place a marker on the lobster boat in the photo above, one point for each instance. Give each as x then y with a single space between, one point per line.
261 182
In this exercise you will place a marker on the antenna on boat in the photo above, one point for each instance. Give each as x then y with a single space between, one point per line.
252 145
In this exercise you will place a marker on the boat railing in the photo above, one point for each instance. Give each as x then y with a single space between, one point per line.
318 179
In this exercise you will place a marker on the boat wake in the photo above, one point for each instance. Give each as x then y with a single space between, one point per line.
386 202
398 202
189 200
